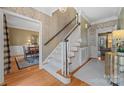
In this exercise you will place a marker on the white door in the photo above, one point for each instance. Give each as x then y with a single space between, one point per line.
1 49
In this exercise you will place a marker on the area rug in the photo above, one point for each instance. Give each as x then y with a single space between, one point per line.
24 63
92 73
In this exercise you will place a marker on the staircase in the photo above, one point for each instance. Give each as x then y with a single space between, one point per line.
60 61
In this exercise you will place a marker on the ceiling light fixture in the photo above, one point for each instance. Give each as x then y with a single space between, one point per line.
86 25
63 9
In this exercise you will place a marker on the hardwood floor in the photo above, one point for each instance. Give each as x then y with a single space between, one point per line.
14 67
32 76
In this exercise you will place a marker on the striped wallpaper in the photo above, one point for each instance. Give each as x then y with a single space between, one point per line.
6 48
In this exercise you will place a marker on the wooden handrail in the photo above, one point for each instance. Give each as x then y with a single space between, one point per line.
61 30
71 31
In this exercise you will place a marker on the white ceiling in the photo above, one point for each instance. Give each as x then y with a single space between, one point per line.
97 14
93 14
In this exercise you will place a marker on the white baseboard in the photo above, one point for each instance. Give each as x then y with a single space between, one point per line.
61 78
2 84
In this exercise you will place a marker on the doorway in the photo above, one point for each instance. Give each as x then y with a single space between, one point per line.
104 44
16 24
24 48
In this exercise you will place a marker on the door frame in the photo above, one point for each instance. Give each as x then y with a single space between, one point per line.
2 12
1 49
103 30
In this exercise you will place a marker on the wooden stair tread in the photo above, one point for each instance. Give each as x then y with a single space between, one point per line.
59 72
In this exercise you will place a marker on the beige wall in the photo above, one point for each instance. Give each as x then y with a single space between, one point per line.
20 36
101 27
58 21
84 32
50 24
121 19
